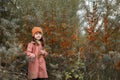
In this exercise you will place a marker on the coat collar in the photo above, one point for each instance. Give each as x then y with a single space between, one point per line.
33 42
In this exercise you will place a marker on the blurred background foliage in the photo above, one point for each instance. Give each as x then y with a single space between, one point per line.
81 36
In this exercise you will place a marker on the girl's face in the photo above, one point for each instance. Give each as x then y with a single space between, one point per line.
38 36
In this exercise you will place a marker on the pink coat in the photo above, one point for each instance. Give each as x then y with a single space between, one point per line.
37 65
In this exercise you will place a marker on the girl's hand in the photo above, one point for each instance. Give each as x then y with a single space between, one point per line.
43 52
46 53
32 56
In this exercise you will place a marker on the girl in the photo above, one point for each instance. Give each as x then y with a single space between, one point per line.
36 53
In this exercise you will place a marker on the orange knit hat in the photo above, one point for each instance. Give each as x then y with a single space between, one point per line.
36 29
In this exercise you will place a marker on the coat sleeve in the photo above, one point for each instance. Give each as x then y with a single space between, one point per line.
29 50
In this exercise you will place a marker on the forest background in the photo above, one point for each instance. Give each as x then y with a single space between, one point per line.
81 36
